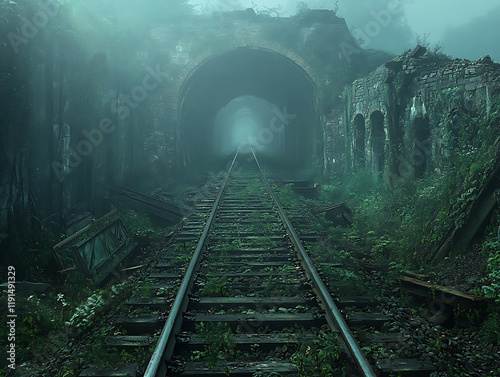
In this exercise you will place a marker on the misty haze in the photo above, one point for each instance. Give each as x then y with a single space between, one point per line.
250 188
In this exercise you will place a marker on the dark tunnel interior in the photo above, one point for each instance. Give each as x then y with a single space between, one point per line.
246 83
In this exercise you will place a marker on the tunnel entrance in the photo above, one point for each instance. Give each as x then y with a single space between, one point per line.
249 121
251 95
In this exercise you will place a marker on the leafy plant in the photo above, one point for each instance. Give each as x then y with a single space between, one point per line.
377 351
84 314
220 342
489 330
139 224
215 286
319 356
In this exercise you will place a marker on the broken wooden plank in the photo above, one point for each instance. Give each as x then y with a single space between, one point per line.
149 204
338 214
449 296
414 275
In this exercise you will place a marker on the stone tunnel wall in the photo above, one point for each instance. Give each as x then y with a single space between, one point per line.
315 41
390 120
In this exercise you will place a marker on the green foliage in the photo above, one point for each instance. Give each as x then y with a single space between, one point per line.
220 343
44 322
215 286
377 351
321 253
319 356
139 224
85 313
489 331
405 222
183 253
288 198
253 188
347 282
65 372
491 248
331 193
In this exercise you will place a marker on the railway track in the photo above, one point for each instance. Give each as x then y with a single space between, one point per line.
250 302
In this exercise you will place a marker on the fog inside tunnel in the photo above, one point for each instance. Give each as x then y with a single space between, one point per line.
249 121
244 131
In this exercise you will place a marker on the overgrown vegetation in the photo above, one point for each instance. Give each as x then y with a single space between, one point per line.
140 226
405 222
52 323
220 343
319 356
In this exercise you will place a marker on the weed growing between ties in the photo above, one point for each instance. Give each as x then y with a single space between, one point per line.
319 356
215 286
220 344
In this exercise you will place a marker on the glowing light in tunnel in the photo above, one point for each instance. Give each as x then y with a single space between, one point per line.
249 121
244 131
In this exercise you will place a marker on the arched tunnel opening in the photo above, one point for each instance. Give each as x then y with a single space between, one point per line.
249 96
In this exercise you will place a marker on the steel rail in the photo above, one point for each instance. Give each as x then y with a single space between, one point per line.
166 343
334 317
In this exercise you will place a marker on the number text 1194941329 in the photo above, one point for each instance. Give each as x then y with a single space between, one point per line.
11 317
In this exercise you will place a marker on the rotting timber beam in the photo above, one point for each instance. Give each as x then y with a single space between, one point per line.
149 204
449 296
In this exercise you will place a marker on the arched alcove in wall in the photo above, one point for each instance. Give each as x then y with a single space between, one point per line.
359 140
